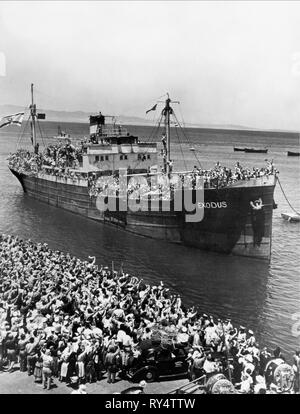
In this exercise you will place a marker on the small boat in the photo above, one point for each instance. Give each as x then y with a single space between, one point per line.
293 218
293 154
238 149
192 149
257 150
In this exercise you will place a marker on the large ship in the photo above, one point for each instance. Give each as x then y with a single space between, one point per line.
224 213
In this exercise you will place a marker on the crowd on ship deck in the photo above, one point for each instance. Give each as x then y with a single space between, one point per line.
221 176
60 158
64 318
217 177
64 159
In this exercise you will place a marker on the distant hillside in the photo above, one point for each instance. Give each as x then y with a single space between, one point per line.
71 116
83 117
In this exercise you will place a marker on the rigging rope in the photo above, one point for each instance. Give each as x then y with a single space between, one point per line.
155 129
41 133
187 138
153 134
182 154
22 132
297 212
184 126
183 123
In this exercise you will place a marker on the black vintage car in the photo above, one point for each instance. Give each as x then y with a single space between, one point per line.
157 363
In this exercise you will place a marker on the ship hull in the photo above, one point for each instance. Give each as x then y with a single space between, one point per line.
229 224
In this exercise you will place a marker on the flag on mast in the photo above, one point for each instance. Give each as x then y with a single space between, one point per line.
15 119
152 109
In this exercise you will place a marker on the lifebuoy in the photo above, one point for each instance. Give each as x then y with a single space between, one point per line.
279 373
219 384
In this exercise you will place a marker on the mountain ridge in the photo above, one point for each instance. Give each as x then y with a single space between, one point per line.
83 117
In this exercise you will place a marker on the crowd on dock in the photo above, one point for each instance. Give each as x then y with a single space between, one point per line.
64 318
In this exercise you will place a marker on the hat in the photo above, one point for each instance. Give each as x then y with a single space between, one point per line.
74 379
260 379
184 329
249 358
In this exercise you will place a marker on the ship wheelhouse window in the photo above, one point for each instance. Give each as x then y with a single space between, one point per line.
106 157
121 157
139 156
102 158
97 158
125 156
148 156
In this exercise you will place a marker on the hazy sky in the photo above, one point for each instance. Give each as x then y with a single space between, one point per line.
227 63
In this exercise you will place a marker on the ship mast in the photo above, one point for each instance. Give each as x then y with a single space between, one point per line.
167 111
33 117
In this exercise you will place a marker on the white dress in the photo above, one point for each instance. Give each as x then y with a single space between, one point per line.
64 366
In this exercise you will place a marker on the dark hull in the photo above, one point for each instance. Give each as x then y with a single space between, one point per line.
293 154
235 229
239 149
